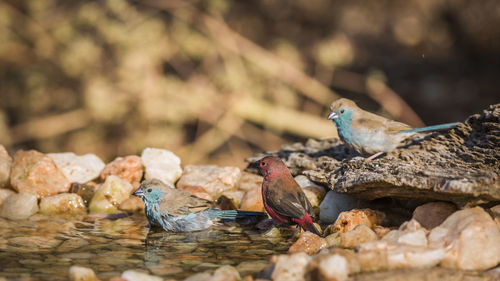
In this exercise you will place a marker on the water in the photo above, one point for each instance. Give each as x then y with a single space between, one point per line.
43 248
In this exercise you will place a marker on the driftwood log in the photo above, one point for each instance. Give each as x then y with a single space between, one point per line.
459 165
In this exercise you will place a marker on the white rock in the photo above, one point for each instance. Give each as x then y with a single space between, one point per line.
334 267
4 193
80 169
410 232
377 255
333 204
416 238
5 164
161 164
471 239
133 275
110 195
290 267
19 206
64 203
215 180
80 273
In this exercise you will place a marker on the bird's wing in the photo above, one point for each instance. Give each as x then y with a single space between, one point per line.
289 201
178 202
374 122
394 127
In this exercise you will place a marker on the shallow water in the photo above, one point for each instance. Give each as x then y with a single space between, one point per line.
44 248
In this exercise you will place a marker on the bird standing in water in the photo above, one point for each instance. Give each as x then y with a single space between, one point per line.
283 198
369 133
176 210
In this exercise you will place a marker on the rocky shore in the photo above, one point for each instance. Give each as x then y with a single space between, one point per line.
428 211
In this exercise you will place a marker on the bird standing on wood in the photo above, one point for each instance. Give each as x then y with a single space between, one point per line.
369 133
283 198
177 210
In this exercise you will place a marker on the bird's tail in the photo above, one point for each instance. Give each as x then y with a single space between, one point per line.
430 128
235 214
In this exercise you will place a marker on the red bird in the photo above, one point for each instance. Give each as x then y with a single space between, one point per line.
283 198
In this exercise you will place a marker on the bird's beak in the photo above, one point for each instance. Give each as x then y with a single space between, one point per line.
139 192
332 115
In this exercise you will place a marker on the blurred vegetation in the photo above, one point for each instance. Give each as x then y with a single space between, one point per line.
214 81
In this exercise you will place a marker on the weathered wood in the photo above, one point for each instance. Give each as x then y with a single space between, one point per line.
459 165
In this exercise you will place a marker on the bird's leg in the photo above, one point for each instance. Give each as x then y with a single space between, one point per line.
374 156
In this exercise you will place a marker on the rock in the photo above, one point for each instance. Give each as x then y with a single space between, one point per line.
197 191
410 232
64 203
199 277
252 200
224 203
33 172
427 274
314 193
78 168
460 165
84 190
360 234
110 195
432 214
332 266
383 255
380 230
161 164
249 181
235 196
226 273
133 275
495 210
132 204
19 206
128 168
308 243
80 273
5 164
348 220
333 240
215 180
4 193
471 239
290 267
333 204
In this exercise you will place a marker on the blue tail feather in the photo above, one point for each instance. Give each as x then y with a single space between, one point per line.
234 214
430 128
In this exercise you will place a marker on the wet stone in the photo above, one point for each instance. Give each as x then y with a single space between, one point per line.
19 206
64 203
111 194
86 191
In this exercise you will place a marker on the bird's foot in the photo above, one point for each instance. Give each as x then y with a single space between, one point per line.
374 156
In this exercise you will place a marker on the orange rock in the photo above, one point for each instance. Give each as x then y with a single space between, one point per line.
36 173
252 201
348 220
309 243
128 168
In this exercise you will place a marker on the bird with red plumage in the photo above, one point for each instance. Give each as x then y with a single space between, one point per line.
283 198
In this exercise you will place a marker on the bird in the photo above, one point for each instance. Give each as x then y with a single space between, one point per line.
369 133
179 211
282 196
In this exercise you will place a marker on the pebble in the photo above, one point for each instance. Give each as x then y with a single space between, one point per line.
19 206
252 200
128 168
290 267
308 243
348 220
4 193
383 255
471 238
360 234
111 194
5 164
133 275
78 168
333 204
432 214
161 164
34 172
215 180
80 273
64 203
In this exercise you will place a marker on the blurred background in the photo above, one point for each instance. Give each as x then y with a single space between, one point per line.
215 81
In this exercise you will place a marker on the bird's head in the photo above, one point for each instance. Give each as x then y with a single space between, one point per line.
151 190
341 111
271 165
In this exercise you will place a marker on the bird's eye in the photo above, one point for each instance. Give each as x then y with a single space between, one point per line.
342 111
263 164
149 190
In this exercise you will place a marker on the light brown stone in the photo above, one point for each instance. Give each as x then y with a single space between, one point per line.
290 267
215 180
252 200
348 220
128 168
308 243
132 204
33 172
360 234
64 203
19 206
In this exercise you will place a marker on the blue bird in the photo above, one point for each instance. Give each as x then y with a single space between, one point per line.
369 133
177 210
